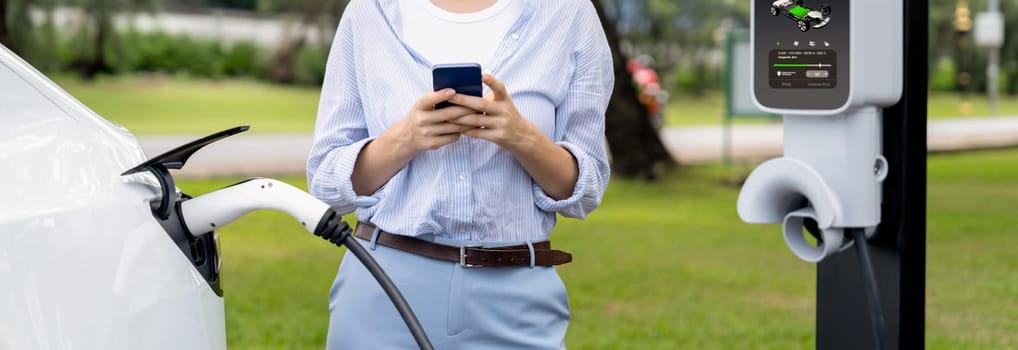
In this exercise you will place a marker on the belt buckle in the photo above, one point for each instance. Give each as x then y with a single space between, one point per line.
463 255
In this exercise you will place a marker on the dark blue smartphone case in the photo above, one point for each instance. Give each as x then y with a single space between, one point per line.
465 78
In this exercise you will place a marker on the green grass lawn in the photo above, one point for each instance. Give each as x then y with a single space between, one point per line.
946 105
171 105
670 266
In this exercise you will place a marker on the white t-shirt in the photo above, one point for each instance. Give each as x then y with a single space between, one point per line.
445 37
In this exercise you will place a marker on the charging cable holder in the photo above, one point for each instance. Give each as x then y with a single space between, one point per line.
831 173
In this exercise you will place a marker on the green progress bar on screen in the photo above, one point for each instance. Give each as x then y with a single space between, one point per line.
801 65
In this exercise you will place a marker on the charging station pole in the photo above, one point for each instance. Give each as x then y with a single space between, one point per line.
898 250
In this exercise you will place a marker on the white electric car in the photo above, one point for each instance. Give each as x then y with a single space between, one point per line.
98 248
83 262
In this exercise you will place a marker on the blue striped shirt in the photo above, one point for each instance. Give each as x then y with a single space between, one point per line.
557 65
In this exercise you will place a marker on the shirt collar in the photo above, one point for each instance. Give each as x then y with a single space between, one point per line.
390 10
391 14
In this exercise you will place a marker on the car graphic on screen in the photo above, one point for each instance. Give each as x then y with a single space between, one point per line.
804 17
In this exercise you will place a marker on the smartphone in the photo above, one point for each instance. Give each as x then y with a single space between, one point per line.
465 78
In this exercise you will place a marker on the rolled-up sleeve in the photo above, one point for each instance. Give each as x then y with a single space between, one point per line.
340 128
579 122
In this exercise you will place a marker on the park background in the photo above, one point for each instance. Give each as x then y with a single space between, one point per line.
665 263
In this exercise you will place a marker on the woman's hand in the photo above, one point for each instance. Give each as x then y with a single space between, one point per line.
500 122
423 128
552 167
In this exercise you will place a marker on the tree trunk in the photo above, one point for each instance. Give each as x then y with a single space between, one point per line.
284 61
90 67
104 27
283 67
5 36
637 151
1012 82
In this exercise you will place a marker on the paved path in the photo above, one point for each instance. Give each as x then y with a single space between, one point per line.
703 144
246 154
284 154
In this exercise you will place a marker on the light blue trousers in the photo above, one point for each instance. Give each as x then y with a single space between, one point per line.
459 307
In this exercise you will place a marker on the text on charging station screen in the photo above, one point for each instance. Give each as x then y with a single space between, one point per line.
801 53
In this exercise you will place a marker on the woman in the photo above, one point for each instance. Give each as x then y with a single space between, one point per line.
430 184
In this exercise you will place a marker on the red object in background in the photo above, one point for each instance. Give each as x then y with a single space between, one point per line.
647 85
633 65
644 76
649 97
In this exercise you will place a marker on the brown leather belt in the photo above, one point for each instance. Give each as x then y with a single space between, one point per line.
468 256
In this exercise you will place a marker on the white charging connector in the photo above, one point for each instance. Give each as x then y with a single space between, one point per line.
214 210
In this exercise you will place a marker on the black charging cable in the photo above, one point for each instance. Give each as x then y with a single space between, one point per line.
333 229
870 282
858 235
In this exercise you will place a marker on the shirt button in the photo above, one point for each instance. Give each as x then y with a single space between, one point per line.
463 177
516 36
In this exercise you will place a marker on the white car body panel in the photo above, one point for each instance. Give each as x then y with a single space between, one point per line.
83 263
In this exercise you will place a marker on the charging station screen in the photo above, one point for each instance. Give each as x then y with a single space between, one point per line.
801 53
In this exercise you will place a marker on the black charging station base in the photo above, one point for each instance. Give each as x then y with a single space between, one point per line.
843 313
898 251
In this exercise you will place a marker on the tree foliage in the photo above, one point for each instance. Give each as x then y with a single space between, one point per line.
321 15
636 148
945 45
682 36
16 26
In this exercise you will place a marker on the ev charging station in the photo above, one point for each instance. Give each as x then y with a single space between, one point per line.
853 170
